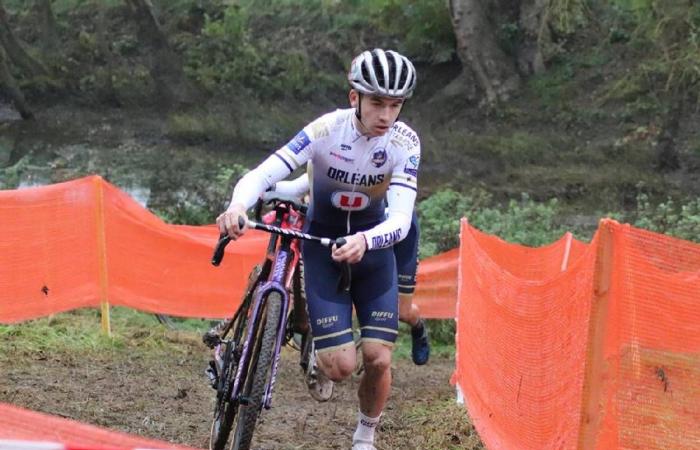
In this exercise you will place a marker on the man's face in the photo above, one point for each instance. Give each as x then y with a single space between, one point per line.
378 113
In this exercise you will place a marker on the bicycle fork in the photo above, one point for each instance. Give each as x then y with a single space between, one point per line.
264 290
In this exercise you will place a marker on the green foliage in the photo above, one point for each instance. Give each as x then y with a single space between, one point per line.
667 33
240 47
668 217
423 26
202 205
194 127
565 16
523 221
553 87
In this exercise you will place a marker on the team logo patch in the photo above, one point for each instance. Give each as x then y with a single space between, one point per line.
345 147
350 201
379 157
299 142
411 166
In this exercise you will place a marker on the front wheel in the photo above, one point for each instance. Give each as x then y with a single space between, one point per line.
258 375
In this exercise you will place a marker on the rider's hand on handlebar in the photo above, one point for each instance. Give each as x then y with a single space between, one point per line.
228 221
353 251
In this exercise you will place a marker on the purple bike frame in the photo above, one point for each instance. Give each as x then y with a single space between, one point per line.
275 283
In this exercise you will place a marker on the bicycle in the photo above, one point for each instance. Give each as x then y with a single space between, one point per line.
247 347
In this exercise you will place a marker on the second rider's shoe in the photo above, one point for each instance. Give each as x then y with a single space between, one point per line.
320 386
420 349
359 445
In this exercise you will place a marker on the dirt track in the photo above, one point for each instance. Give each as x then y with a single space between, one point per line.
164 395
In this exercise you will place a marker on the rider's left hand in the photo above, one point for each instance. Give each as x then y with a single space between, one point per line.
353 250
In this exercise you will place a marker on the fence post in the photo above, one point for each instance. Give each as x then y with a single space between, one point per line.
567 251
102 255
591 410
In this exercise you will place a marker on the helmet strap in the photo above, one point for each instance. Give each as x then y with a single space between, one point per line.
403 105
358 110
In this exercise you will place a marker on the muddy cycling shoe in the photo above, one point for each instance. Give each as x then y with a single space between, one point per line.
211 339
420 348
320 386
363 445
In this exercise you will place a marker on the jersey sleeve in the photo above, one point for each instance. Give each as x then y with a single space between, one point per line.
400 198
281 163
295 188
300 149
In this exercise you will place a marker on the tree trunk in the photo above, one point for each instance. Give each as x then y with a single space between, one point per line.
9 87
47 24
667 156
172 86
535 35
478 49
15 53
105 87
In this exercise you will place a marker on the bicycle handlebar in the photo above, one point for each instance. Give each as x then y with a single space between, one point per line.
225 239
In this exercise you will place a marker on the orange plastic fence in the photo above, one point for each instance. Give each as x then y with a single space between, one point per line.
436 285
602 352
22 424
74 244
79 243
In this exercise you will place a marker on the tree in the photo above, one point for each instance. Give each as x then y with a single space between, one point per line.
12 54
535 35
47 25
477 46
172 86
15 50
9 87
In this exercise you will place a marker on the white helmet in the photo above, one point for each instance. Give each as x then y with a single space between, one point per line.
383 73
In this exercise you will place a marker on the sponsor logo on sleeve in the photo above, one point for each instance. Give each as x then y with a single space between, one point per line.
411 166
406 135
379 157
386 239
299 142
350 201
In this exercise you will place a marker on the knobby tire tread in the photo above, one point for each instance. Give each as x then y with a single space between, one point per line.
248 415
230 408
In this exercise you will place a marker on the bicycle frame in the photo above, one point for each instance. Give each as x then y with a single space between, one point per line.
284 257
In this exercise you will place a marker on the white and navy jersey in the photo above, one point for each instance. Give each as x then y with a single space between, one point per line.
350 176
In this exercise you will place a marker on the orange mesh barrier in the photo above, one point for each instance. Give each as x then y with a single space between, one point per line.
600 353
75 244
18 423
436 286
645 364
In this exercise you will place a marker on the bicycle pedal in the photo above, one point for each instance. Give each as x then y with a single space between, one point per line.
212 375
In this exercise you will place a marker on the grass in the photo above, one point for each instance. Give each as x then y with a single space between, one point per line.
440 345
80 332
452 432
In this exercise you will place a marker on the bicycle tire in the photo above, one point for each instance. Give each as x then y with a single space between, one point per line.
226 408
258 373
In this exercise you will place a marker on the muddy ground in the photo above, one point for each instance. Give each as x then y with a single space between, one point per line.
163 394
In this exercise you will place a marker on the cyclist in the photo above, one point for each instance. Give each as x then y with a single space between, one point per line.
358 157
406 253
